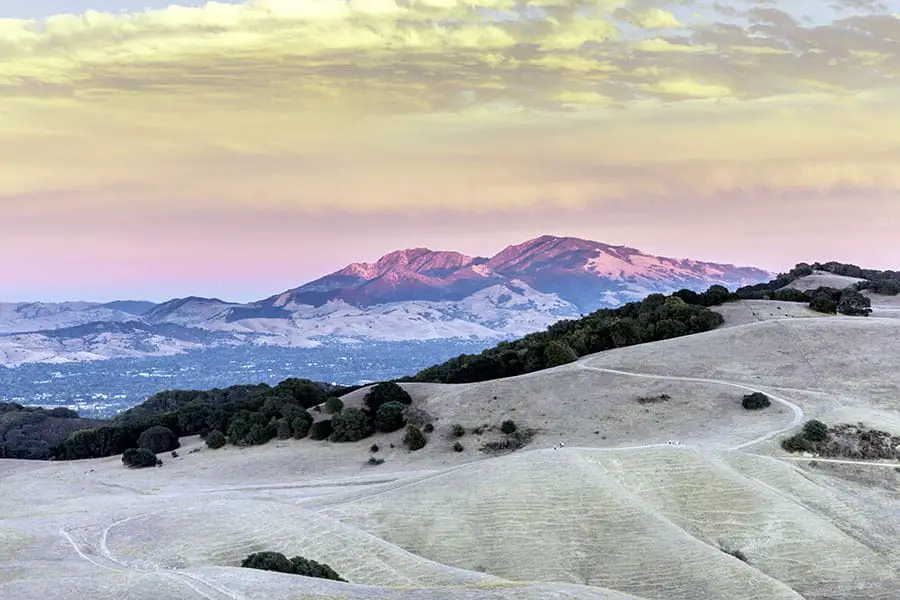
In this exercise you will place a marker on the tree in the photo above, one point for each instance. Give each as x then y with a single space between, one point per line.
852 303
158 439
815 431
414 439
385 392
268 561
458 447
300 425
823 303
508 427
350 425
215 439
559 353
716 295
458 430
755 401
282 429
138 458
390 417
320 430
310 568
334 405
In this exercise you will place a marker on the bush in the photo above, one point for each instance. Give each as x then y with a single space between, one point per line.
414 439
138 458
428 428
374 448
755 401
458 430
797 443
385 392
311 568
815 431
508 427
458 447
320 430
215 439
390 417
350 425
334 405
158 439
373 460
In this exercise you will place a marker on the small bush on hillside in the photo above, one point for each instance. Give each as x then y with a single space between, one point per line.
374 448
275 561
654 399
385 392
815 431
414 439
374 460
513 441
334 405
428 428
508 427
458 430
350 425
215 439
138 458
755 401
797 443
458 447
390 417
416 416
320 430
158 439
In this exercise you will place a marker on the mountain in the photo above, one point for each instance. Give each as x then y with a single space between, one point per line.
413 294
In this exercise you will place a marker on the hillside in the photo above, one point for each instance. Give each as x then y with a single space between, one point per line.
617 513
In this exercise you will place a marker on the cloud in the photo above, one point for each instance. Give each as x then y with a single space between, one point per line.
378 105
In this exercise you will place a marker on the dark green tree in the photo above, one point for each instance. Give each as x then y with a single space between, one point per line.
158 439
508 427
268 561
815 431
320 430
390 417
385 392
300 425
559 353
215 439
350 425
334 405
854 304
755 401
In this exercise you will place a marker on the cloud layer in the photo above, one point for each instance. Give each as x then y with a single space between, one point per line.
378 106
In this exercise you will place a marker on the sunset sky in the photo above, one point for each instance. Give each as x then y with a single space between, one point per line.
239 149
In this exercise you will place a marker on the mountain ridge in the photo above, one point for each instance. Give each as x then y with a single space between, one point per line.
408 294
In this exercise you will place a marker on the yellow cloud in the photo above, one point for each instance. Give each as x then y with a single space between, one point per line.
655 18
690 88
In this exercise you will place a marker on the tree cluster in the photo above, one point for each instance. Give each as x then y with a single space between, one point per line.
30 432
275 561
755 401
657 317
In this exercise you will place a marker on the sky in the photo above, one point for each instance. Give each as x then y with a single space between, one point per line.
236 149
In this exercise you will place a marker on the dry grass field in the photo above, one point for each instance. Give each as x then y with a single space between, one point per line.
618 513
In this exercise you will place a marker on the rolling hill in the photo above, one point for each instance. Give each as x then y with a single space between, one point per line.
723 513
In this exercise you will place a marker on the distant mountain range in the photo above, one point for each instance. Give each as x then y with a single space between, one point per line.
414 294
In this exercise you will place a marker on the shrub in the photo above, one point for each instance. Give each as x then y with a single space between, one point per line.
654 399
815 431
215 439
797 443
334 405
390 417
374 448
458 447
512 442
350 425
414 439
428 428
138 458
508 427
755 401
385 392
320 430
373 460
416 416
158 439
458 430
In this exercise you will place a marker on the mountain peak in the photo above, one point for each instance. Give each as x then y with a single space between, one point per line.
422 261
